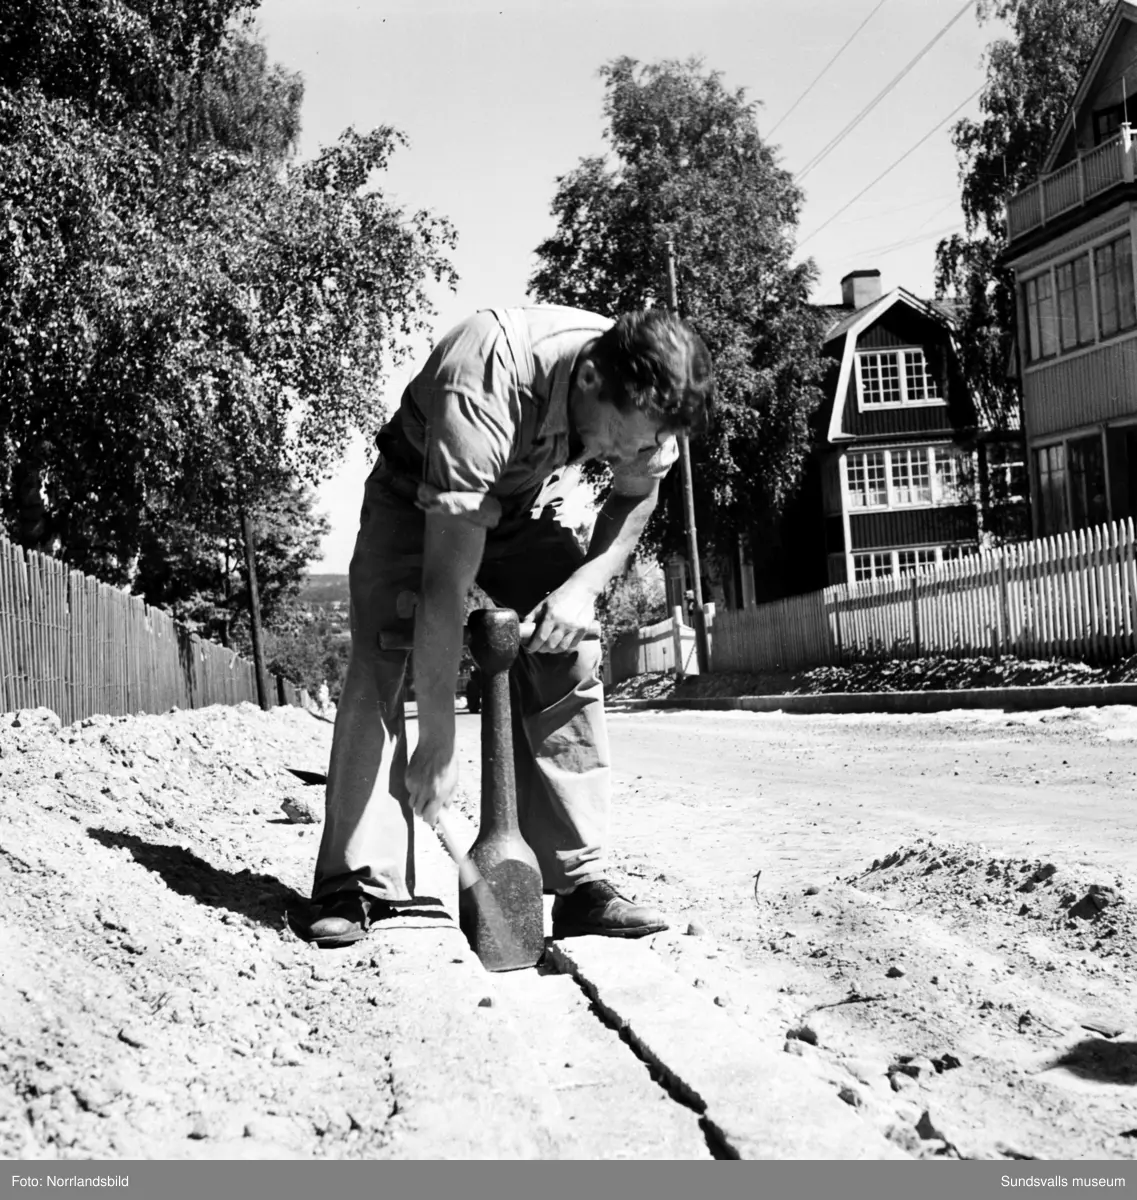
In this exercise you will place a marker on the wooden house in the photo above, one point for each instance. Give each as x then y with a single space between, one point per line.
896 450
1070 245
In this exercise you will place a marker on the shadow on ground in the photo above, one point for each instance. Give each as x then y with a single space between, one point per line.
1101 1061
261 898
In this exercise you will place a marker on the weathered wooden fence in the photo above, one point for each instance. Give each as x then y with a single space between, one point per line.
79 647
655 647
1073 595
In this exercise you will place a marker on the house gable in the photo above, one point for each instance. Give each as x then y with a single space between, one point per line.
896 321
1107 88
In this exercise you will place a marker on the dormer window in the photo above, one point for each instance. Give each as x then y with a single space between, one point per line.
887 378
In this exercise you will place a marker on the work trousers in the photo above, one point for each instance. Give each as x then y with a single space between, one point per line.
560 739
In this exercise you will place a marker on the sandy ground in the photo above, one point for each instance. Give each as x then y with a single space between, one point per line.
938 908
935 911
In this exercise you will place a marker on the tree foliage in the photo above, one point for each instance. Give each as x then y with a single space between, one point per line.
189 322
1032 75
686 162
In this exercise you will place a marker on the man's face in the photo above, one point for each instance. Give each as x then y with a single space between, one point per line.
602 432
611 436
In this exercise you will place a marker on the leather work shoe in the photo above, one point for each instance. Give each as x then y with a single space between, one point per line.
343 919
598 908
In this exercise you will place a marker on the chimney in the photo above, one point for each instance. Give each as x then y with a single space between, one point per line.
859 288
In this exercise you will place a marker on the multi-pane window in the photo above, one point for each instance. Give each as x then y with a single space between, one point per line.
1088 504
1075 303
908 477
909 562
877 565
1042 330
886 564
911 480
868 483
895 377
950 476
1113 265
919 384
1050 462
880 378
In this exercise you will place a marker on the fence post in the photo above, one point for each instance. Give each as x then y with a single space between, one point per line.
1004 602
677 634
915 616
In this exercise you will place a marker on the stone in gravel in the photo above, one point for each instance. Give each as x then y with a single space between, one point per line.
803 1033
851 1096
696 929
793 1047
929 1127
895 972
916 1068
300 810
812 890
1107 1029
486 1002
136 1036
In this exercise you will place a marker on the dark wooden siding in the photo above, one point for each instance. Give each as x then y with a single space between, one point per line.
903 326
914 527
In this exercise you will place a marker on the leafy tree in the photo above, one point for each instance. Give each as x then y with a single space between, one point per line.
182 322
1032 75
687 162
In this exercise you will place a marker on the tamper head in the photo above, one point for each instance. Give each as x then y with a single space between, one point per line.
495 638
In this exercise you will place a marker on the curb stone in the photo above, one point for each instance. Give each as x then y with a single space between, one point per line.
465 1084
1009 699
758 1103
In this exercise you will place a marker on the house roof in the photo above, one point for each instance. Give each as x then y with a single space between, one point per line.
1123 11
860 319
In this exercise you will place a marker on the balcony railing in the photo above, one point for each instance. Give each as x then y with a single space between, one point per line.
1072 185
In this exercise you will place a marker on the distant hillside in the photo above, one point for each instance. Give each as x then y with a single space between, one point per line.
324 589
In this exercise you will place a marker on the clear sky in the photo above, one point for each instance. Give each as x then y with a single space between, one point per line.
498 99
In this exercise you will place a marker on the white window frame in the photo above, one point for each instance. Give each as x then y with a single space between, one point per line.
901 354
950 496
886 564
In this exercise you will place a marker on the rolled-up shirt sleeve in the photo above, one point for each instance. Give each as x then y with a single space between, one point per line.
640 475
468 406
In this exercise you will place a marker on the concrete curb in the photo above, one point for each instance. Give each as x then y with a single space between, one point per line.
756 1103
465 1083
1009 699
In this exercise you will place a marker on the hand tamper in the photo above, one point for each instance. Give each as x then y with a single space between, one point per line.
506 928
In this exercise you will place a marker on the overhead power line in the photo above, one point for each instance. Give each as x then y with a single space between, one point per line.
889 169
821 74
834 142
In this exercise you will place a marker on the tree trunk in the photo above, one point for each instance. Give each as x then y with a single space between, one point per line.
255 611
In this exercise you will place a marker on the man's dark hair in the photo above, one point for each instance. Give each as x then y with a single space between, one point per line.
657 363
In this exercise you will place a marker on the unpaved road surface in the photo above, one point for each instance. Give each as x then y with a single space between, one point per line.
935 912
941 907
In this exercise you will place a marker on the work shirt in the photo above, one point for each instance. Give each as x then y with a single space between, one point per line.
486 421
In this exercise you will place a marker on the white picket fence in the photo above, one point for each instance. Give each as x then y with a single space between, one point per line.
1073 595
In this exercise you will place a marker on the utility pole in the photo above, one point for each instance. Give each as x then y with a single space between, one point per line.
255 610
698 617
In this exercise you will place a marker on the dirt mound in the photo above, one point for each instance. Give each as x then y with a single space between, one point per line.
1075 914
151 1003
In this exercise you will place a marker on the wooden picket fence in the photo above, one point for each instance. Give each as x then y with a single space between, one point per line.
655 647
79 647
1072 595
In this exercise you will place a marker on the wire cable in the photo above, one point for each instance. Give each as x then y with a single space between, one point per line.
824 69
834 142
889 169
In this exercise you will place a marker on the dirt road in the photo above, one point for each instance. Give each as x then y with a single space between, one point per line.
944 910
949 943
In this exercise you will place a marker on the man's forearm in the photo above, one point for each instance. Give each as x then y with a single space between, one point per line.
619 525
451 553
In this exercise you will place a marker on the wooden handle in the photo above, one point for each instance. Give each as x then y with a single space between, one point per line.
396 639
